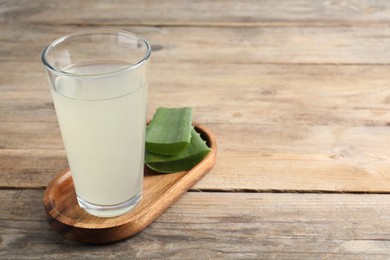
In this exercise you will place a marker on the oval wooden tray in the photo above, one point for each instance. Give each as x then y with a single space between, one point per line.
160 191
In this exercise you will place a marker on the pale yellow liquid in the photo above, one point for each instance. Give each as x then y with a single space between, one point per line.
103 128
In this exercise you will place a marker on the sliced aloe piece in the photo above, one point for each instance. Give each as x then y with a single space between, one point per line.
185 160
169 131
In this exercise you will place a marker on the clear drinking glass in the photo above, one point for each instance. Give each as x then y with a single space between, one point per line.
98 81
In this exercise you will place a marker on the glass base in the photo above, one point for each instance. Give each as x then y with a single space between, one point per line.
108 211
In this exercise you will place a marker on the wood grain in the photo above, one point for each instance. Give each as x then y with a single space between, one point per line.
307 127
310 158
348 95
297 93
199 13
280 45
218 225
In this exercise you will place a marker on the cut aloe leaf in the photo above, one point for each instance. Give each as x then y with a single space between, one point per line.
169 131
183 161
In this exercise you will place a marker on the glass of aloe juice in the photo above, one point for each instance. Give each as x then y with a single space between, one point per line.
99 85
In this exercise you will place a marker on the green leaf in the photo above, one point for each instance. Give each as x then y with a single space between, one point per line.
169 131
183 161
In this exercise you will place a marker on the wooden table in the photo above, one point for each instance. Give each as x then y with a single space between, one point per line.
297 93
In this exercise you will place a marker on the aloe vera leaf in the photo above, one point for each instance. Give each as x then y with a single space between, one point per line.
185 160
169 131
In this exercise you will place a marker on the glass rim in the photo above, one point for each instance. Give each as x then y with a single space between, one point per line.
92 32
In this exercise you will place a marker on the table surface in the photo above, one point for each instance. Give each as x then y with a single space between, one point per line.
297 93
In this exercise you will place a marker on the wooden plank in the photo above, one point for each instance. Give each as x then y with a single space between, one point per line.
30 168
274 94
204 13
218 225
297 45
296 172
266 157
